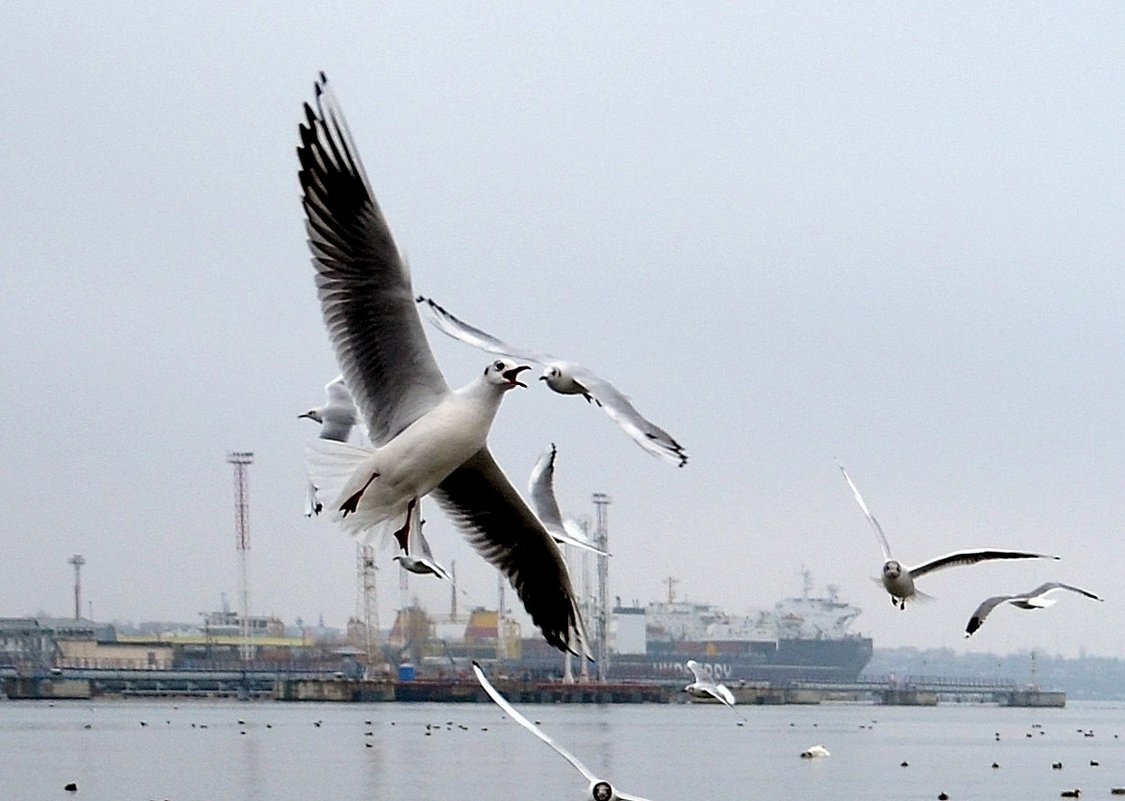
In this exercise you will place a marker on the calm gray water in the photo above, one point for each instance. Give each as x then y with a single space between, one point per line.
665 752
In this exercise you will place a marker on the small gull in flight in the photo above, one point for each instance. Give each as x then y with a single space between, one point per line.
598 789
418 557
541 487
1036 599
337 417
705 687
426 438
899 580
568 378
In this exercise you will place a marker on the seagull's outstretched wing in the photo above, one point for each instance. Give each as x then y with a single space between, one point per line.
541 488
615 403
976 620
424 554
481 500
696 672
363 284
971 558
339 413
1055 586
870 517
457 328
515 715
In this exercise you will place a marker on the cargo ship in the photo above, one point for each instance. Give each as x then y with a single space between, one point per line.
805 638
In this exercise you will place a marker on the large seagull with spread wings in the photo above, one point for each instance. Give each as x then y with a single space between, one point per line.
427 439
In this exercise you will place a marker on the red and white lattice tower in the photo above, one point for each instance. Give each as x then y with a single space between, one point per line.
241 460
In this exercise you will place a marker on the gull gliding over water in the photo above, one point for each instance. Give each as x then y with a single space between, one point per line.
706 687
1036 599
337 417
568 378
541 487
426 438
899 580
598 789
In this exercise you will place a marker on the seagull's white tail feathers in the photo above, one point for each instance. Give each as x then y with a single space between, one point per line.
330 466
922 597
1040 602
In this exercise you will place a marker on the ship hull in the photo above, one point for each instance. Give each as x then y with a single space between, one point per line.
732 661
838 660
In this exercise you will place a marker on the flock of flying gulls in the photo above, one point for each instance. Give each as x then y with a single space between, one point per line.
421 438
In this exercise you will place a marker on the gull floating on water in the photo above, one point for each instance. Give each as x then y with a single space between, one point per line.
1036 599
337 417
598 789
899 580
814 752
568 378
541 487
418 557
426 438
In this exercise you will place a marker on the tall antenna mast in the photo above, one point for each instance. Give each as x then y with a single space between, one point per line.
601 540
368 611
77 560
241 460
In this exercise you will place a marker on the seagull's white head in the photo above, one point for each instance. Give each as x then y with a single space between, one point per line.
504 373
316 414
892 569
559 379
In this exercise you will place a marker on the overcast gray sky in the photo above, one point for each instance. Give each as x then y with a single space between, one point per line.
886 233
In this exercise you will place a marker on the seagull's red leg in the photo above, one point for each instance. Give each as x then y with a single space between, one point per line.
351 503
403 534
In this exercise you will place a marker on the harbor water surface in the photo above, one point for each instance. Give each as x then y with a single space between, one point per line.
116 750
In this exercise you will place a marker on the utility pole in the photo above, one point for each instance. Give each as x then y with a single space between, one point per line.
241 460
77 560
601 540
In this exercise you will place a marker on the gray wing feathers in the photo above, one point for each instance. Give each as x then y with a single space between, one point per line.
616 404
515 715
362 282
458 329
867 513
1054 586
541 487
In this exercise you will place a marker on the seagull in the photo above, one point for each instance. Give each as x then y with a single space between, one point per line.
567 378
815 751
541 488
418 557
425 437
598 789
899 580
337 417
1036 599
705 687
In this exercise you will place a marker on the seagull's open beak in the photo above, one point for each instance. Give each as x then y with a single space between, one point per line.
515 371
